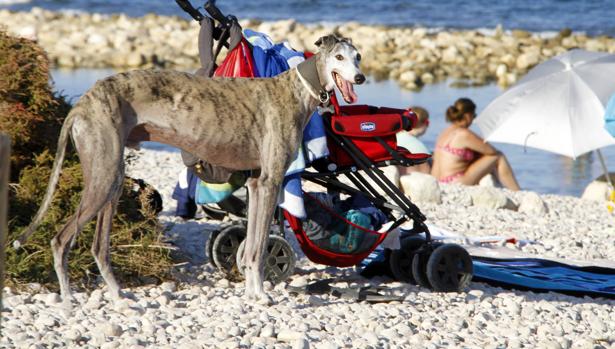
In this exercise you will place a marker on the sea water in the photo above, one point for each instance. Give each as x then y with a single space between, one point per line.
594 17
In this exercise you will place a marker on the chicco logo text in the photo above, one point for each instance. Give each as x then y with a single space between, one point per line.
368 126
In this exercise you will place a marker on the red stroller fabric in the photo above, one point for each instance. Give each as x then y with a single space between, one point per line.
238 63
362 124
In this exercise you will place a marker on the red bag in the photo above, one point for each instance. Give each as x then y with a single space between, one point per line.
238 62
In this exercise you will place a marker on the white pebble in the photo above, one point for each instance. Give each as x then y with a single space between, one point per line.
267 331
289 335
112 330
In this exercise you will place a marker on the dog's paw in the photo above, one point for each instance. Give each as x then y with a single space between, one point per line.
260 298
67 307
264 299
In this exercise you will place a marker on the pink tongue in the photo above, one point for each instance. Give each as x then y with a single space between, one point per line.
349 92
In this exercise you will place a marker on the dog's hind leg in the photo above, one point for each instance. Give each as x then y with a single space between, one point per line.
100 246
61 242
103 175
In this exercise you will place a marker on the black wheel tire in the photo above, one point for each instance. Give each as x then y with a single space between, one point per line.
400 261
279 258
449 268
225 248
419 267
209 247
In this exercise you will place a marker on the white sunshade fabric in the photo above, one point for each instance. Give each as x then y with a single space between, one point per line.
558 106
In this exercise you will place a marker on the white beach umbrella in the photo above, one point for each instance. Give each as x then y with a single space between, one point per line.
558 106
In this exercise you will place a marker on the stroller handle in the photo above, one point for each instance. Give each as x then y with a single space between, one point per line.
187 7
215 13
198 16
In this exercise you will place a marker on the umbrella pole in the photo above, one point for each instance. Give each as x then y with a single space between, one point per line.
606 171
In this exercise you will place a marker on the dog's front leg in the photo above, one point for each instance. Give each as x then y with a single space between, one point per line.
252 184
262 206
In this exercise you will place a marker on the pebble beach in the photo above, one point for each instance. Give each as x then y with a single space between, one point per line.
204 310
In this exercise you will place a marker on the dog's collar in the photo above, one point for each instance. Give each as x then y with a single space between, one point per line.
308 74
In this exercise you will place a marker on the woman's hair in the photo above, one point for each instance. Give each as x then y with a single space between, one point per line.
455 112
421 113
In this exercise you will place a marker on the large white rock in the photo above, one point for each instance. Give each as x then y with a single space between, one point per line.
491 198
532 203
97 40
134 59
421 187
596 191
527 60
487 181
501 70
450 54
408 76
391 172
427 78
28 32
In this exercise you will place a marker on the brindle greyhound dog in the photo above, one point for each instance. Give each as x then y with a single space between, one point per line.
239 124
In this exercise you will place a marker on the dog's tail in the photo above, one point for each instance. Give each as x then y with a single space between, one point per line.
53 181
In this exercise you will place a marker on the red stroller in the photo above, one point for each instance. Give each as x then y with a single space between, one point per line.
361 139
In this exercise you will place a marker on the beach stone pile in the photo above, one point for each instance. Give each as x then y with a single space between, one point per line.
424 188
413 56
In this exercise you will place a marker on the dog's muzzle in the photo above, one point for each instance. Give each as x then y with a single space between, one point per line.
359 79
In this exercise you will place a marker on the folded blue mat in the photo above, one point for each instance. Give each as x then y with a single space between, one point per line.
529 274
544 275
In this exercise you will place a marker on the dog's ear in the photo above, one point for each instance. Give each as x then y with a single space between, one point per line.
326 42
346 40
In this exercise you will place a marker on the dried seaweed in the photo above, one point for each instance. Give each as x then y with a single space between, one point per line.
32 114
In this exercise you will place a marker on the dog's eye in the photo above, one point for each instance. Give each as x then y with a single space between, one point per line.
359 57
339 57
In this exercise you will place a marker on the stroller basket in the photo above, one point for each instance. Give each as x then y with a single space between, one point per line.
364 242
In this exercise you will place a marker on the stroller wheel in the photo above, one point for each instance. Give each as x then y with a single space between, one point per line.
279 259
225 248
419 267
449 268
400 261
209 247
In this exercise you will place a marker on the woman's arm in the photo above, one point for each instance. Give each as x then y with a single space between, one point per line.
473 142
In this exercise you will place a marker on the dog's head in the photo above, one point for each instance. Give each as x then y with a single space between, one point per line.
340 62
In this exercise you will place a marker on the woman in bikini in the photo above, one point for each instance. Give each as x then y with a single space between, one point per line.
460 156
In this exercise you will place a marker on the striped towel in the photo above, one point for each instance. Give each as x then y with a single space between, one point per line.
314 147
314 139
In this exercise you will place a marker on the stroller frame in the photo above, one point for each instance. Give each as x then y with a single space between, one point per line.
431 261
